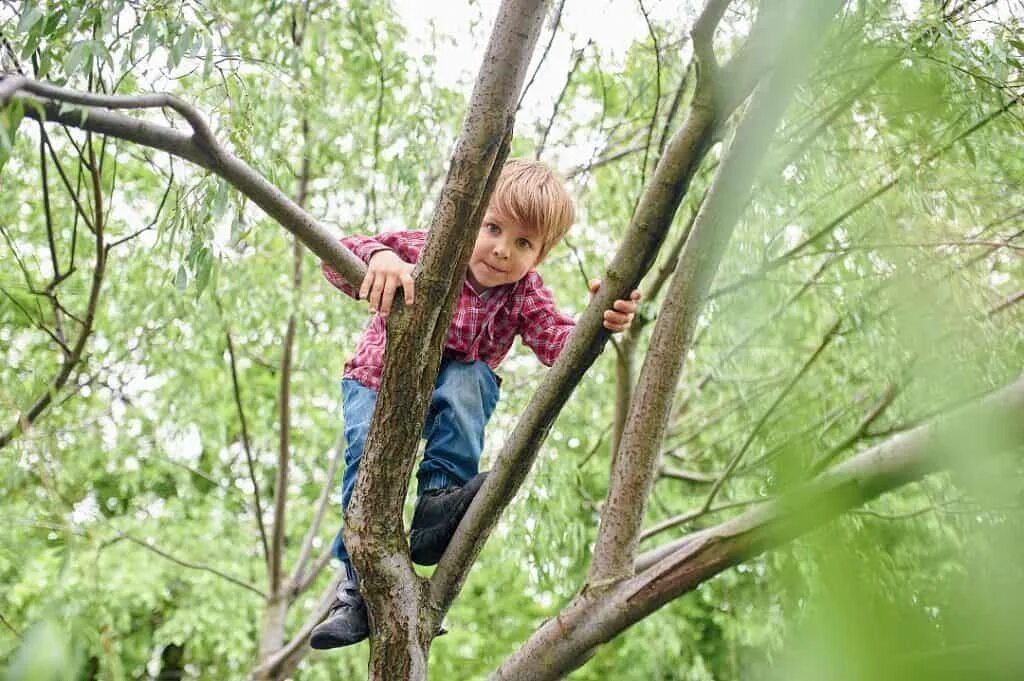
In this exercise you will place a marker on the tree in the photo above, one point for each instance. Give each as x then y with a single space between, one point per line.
733 107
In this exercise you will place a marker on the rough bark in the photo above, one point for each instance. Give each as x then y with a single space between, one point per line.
403 621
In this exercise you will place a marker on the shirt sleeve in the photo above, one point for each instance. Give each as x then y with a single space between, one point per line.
544 329
406 244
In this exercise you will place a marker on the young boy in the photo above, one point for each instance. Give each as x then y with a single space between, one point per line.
530 211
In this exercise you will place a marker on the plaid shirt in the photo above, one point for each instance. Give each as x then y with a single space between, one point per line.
483 327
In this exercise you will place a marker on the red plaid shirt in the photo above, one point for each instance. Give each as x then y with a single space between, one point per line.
481 328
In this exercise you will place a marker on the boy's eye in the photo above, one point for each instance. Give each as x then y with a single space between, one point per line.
523 243
493 228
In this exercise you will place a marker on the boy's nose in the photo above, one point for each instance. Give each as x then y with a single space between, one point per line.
500 250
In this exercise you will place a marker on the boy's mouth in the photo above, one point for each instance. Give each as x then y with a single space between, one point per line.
493 268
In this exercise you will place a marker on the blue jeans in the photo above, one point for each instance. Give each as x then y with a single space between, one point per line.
464 398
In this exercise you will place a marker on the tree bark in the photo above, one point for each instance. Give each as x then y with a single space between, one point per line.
403 620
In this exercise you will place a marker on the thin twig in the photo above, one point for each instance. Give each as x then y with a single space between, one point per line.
156 216
283 458
555 25
236 388
657 95
321 508
1009 302
9 626
694 515
189 564
558 102
825 341
881 404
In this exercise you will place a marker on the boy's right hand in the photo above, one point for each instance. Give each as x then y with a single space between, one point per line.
385 273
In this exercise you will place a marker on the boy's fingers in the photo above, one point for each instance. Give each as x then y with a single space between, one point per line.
408 286
635 295
376 292
617 321
364 289
594 284
388 296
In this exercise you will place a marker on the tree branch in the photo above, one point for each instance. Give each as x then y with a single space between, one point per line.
633 474
190 565
206 155
314 528
283 459
237 391
415 336
678 568
644 237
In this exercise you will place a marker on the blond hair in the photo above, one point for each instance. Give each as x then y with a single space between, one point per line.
532 194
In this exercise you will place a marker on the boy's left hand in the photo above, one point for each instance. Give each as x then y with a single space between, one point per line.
620 316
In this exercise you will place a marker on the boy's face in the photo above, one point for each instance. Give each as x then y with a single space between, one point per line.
504 253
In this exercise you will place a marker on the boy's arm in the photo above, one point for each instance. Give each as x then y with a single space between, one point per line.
544 329
407 245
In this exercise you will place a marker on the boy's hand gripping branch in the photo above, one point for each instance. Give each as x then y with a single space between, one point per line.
620 316
385 273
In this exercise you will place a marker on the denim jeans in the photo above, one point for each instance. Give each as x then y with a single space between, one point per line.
464 398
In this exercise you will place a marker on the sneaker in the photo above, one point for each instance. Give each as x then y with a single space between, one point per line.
437 516
346 621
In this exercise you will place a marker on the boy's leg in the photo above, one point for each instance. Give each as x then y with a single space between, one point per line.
346 621
358 403
464 398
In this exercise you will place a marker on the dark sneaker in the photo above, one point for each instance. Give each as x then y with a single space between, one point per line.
437 516
346 621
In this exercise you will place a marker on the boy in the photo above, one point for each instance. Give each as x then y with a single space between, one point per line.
530 211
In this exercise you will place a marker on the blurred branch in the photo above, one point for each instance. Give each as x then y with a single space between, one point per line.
321 507
881 404
156 216
305 580
184 563
673 108
7 624
558 102
237 391
72 357
556 23
296 648
603 161
687 476
686 518
657 93
856 207
1006 304
830 334
283 458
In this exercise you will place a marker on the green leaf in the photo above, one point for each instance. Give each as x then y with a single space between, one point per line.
44 656
80 51
969 150
29 19
181 278
10 119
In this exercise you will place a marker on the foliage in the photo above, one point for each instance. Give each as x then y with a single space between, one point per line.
145 445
